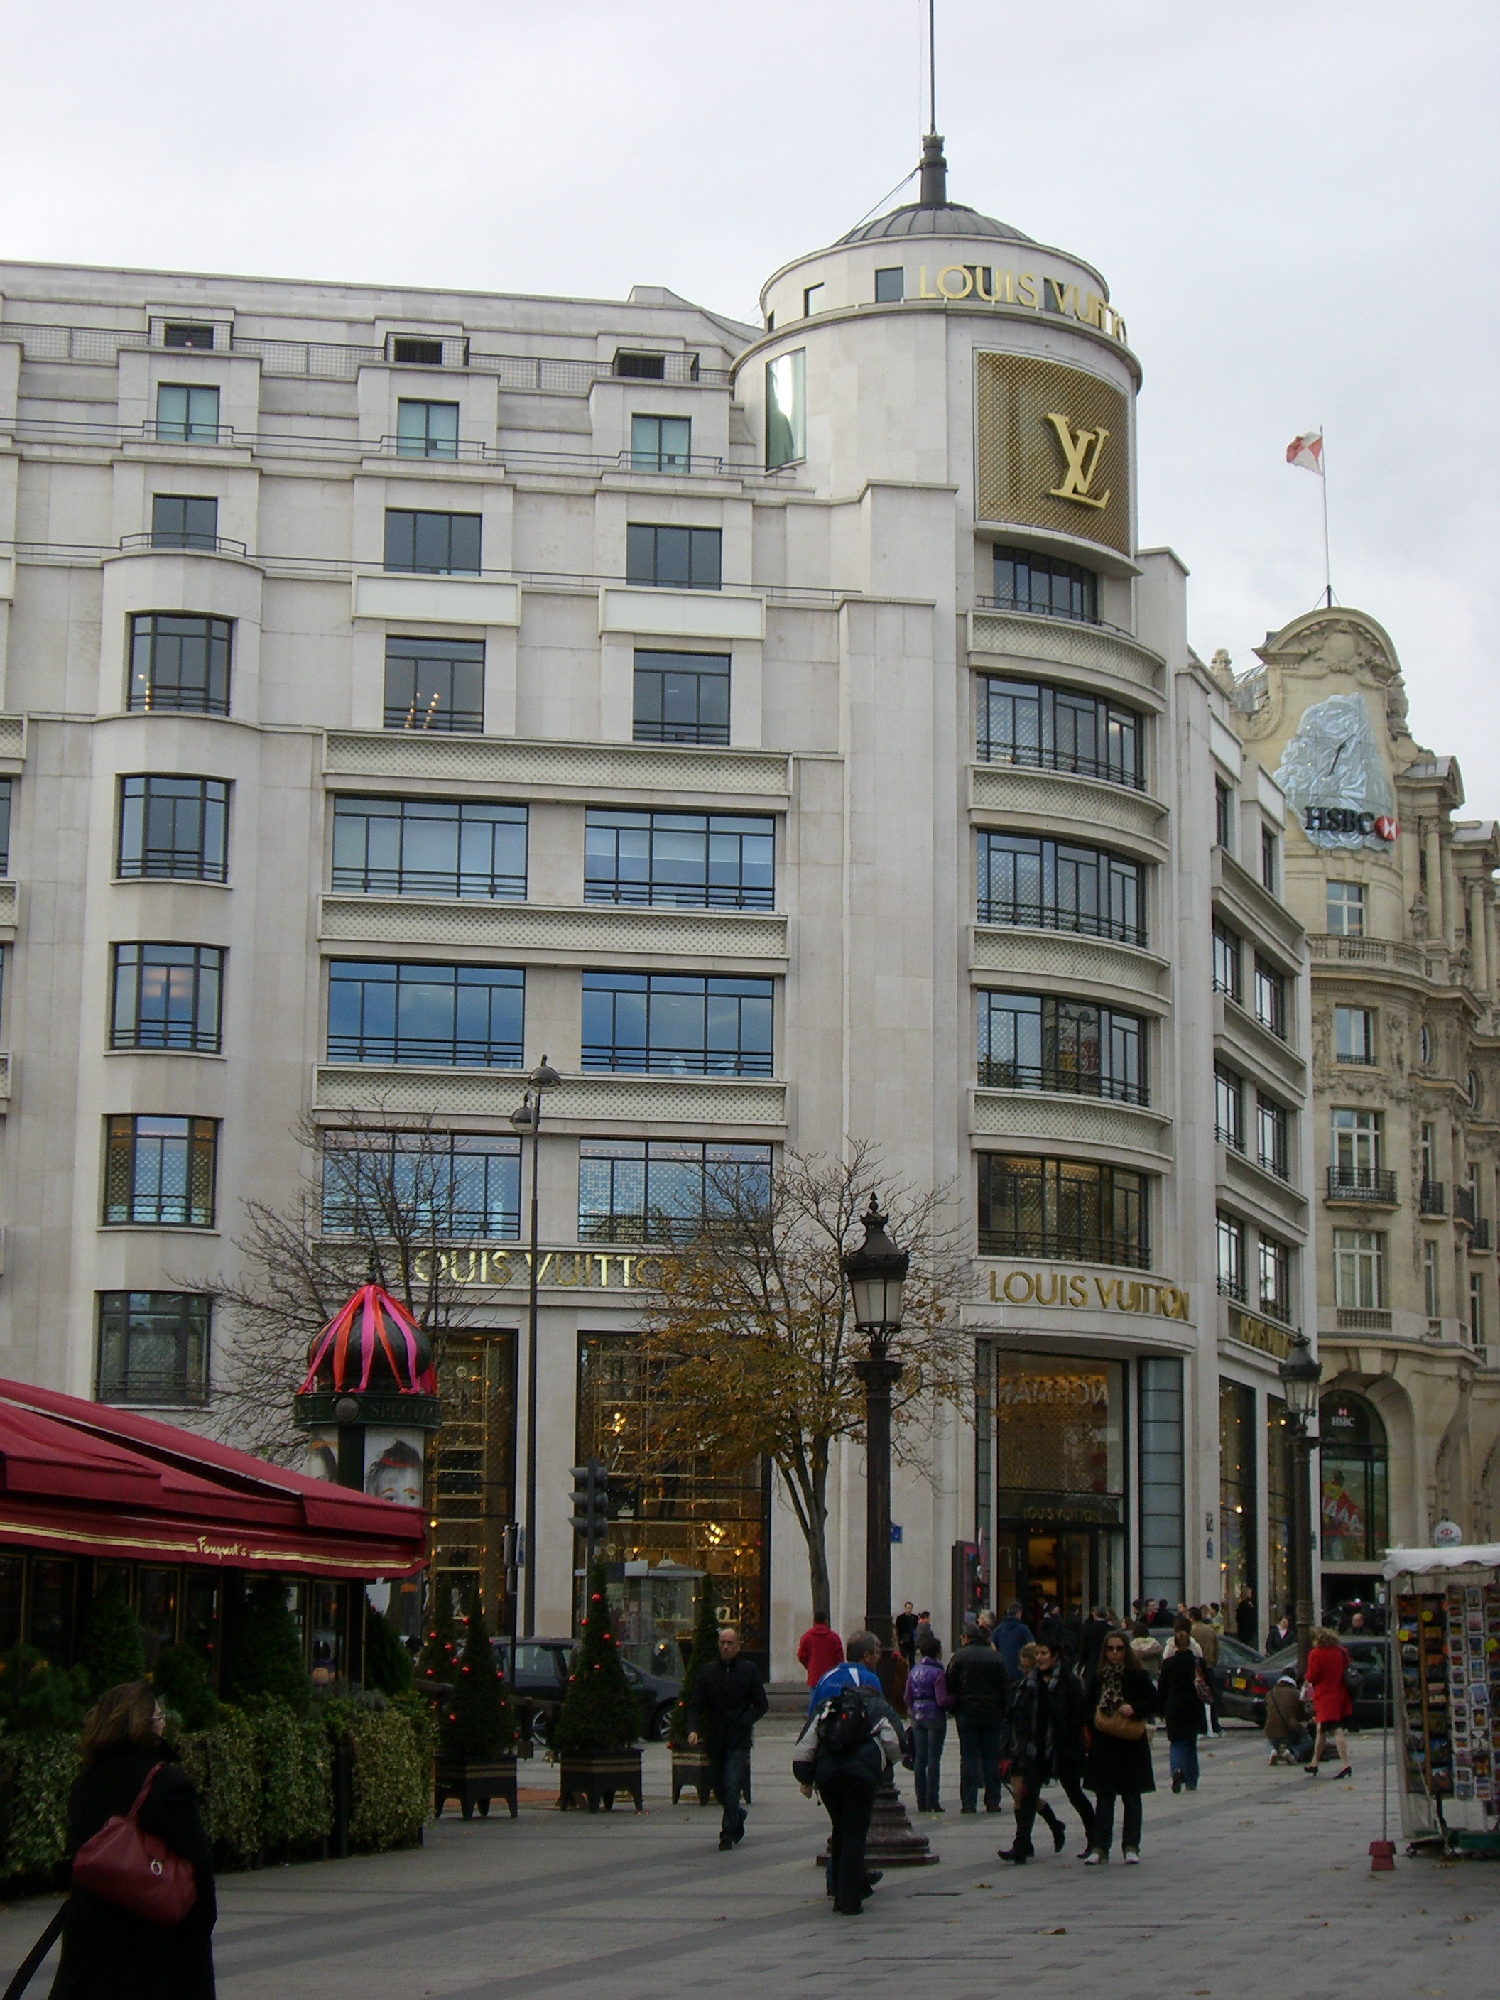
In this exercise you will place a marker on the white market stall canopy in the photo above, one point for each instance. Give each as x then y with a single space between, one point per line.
1446 1634
1422 1562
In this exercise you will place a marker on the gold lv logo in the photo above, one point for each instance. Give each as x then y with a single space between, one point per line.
1081 456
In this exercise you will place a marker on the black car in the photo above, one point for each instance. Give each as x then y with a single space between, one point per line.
541 1680
1246 1687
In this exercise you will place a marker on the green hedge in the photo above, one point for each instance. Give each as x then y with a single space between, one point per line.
36 1773
392 1796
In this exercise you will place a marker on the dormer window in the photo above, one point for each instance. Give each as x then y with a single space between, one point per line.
641 367
412 352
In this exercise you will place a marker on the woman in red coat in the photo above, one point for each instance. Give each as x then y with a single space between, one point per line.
1327 1664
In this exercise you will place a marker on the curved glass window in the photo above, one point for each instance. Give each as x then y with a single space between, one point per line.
1062 1209
1026 581
1029 1041
1058 729
1056 885
1356 1493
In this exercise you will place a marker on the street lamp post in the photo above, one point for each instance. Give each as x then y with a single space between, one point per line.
527 1117
1300 1374
876 1272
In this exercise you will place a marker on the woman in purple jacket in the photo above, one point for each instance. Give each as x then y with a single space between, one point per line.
928 1702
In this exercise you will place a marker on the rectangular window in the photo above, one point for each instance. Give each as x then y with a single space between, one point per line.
188 333
1163 1568
435 684
641 367
890 285
1353 1035
1030 1041
183 521
1428 1153
1223 816
444 1016
432 544
179 662
153 1348
1270 872
1062 1209
1229 1108
167 996
786 409
1476 1309
409 351
5 795
1238 1490
1356 1147
661 444
689 861
1228 978
677 1024
429 847
673 558
187 413
663 1190
681 697
1057 886
1346 909
173 829
812 300
1431 1295
1044 586
160 1170
1229 1237
1058 729
1272 1130
1270 998
1275 1279
460 1186
1359 1269
426 430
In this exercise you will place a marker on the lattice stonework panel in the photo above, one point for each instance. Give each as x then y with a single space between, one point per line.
1052 448
400 753
1104 808
1060 643
1018 954
413 920
583 1099
1042 1115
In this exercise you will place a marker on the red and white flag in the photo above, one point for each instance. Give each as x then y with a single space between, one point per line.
1307 451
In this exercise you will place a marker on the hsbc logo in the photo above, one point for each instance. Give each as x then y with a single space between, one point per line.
1341 819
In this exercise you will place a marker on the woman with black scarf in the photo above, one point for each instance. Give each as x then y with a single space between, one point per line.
1120 1698
1047 1721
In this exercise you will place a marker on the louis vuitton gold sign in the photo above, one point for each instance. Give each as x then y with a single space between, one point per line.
1086 1291
993 287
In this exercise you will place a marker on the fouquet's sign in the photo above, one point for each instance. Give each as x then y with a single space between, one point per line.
1086 1291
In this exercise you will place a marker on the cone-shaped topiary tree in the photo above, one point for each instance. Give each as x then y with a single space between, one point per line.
112 1650
438 1660
600 1712
387 1662
266 1656
705 1647
477 1720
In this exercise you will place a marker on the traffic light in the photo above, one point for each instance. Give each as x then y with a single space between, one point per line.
583 1498
599 1503
591 1504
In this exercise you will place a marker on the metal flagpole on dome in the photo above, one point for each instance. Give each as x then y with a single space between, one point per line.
1327 565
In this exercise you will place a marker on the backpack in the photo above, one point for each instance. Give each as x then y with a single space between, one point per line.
847 1721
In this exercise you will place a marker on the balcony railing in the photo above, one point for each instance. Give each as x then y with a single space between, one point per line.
1365 1060
1226 1135
1368 1186
1048 757
1274 1163
160 538
1363 1319
1049 917
1433 1199
1234 1288
1275 1309
998 1075
1065 1246
1463 1204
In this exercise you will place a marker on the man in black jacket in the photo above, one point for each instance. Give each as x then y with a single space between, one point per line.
727 1701
980 1687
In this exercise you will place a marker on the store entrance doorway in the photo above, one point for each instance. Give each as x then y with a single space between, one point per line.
1050 1563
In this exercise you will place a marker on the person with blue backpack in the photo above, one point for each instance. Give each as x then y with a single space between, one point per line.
851 1740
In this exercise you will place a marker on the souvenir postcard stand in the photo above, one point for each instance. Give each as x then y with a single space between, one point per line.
1447 1640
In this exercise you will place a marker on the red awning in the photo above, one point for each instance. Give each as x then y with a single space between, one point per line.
78 1478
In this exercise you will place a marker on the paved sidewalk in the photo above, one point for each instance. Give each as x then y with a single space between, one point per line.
1258 1883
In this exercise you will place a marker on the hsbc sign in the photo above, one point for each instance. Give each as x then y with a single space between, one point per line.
1341 819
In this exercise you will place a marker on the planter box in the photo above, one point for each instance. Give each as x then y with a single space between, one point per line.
473 1782
593 1781
690 1774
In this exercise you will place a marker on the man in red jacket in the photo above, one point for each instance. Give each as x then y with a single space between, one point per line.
819 1650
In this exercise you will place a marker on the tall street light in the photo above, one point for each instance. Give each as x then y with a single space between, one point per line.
1301 1372
876 1272
527 1117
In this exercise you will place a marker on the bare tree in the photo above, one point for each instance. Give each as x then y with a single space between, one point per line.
375 1196
749 1338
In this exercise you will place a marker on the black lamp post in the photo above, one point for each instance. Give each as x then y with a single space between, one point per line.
876 1272
1301 1372
527 1117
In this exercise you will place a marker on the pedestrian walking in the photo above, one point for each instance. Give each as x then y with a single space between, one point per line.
980 1687
108 1951
1047 1720
1328 1668
906 1633
1246 1624
1181 1690
1120 1700
1206 1632
844 1754
1011 1634
819 1649
728 1699
1286 1722
1282 1634
928 1702
1092 1639
855 1669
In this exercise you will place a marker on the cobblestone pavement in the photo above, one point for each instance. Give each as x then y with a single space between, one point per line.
1258 1883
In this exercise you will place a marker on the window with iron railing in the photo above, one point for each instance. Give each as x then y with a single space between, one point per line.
435 685
184 521
160 1170
179 662
1359 1269
1037 727
681 698
1228 977
429 847
1045 586
664 1190
1229 1108
661 444
1059 886
1272 1136
677 1024
443 1016
1059 1209
167 996
1353 1035
1030 1041
187 413
1275 1279
1270 998
173 828
1229 1239
426 430
153 1347
464 1186
706 861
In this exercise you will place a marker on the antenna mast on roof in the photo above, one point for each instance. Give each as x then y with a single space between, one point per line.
934 185
932 63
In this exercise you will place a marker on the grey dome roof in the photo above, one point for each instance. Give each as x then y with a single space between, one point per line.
951 219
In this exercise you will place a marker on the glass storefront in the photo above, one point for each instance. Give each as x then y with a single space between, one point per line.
1237 1490
472 1468
671 1521
1278 1512
1059 1509
1355 1488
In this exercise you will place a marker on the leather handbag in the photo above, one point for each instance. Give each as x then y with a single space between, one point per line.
1128 1728
134 1869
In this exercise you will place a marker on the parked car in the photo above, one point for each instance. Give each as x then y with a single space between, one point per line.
1247 1686
1233 1656
540 1681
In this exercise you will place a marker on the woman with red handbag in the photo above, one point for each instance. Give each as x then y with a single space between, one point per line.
139 1923
1329 1672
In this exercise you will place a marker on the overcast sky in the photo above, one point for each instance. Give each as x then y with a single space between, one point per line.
1294 205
